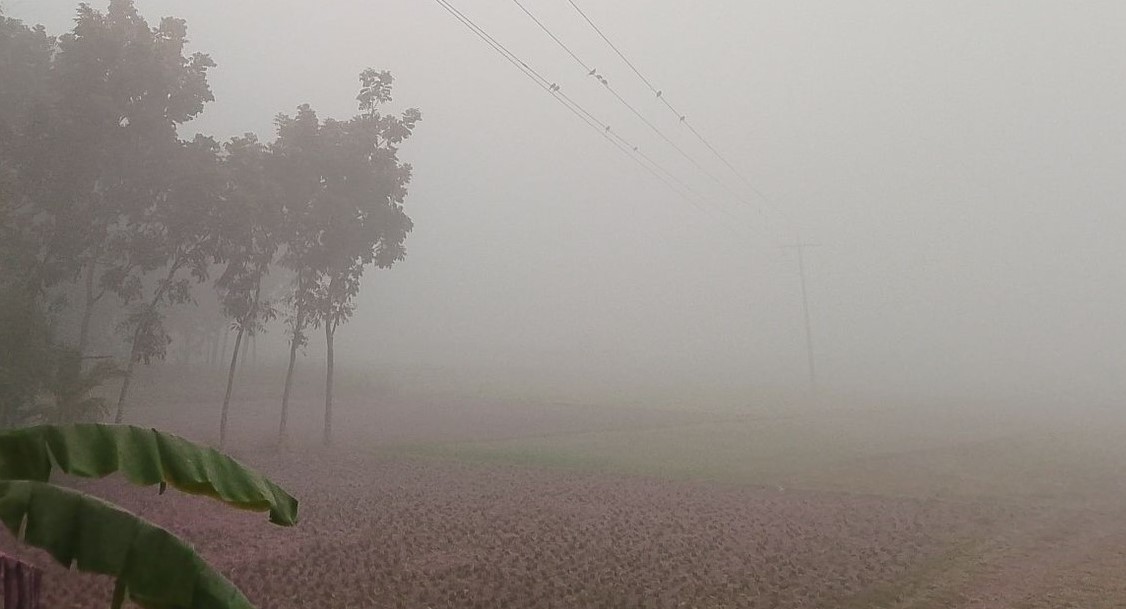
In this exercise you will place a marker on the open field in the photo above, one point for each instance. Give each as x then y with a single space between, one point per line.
890 453
402 533
466 501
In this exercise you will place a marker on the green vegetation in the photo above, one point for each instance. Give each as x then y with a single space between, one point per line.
947 454
153 568
145 457
110 223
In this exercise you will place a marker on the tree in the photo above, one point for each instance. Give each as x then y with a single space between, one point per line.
295 149
249 221
152 567
175 237
25 62
88 154
25 71
88 133
347 189
26 355
120 89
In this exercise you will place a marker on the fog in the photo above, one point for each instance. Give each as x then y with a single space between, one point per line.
958 163
703 304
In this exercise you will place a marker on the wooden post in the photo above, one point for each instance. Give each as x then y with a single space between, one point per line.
21 583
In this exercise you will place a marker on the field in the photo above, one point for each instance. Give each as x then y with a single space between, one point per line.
460 501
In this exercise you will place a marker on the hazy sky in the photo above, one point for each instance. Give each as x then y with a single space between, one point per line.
961 164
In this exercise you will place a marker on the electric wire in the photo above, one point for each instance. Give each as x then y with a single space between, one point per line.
606 83
682 118
624 145
603 129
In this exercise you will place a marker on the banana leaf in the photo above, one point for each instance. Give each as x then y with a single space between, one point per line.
145 457
153 567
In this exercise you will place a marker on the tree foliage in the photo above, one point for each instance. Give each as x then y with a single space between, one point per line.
98 143
26 355
145 457
103 207
249 233
153 568
96 187
345 187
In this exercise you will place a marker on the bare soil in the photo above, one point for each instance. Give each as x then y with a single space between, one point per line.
380 532
381 529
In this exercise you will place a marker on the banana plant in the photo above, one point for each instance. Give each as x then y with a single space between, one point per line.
152 567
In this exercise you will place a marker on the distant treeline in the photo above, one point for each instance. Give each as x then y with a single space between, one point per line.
110 221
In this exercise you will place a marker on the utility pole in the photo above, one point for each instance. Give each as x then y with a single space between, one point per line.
800 246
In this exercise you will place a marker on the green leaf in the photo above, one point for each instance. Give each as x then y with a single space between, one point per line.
153 567
145 457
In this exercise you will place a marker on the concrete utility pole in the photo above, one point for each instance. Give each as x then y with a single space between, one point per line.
800 246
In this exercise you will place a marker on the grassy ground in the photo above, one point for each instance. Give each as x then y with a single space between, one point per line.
890 452
1061 475
854 445
1055 472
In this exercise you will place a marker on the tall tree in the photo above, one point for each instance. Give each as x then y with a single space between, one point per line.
29 358
296 150
249 221
26 356
88 146
119 90
175 239
346 214
25 71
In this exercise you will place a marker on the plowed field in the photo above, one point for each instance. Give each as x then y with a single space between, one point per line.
424 533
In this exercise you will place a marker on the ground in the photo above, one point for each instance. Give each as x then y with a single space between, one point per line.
469 501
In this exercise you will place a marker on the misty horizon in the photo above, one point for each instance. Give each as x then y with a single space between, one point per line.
955 162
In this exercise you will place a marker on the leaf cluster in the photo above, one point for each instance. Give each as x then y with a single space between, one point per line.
92 172
345 188
153 568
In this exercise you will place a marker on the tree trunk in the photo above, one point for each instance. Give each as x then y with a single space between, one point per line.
329 331
226 337
294 345
70 371
249 321
125 382
245 353
230 387
133 355
282 437
87 308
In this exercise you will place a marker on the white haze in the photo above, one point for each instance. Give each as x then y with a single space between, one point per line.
960 163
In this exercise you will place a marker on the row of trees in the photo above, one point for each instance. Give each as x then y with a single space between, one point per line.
103 208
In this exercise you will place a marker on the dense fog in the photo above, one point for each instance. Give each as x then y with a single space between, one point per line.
958 164
542 304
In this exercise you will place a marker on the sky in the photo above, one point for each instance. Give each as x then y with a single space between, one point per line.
959 165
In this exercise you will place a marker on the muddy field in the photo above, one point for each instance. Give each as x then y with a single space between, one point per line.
414 533
469 502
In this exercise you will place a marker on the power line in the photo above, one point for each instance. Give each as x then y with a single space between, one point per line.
682 118
553 89
630 150
613 46
592 72
561 44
